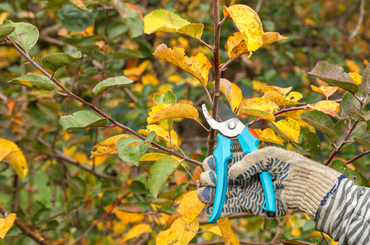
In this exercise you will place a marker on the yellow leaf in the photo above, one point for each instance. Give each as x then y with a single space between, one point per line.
3 16
136 231
155 156
109 146
282 91
289 128
125 217
174 78
256 84
325 90
357 78
135 72
215 230
149 79
327 106
296 232
180 233
81 157
6 224
79 4
197 66
248 23
162 133
236 45
290 99
232 93
258 107
99 160
268 135
14 155
190 207
295 115
227 233
164 20
175 111
352 66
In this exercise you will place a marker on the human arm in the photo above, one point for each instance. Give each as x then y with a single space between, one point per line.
299 183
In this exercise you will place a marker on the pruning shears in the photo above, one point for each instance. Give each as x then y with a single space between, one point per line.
230 127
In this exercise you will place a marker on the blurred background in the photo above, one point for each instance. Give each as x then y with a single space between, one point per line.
337 31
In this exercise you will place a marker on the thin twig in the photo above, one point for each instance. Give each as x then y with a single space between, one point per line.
191 176
324 237
357 157
226 64
360 19
24 229
98 221
259 5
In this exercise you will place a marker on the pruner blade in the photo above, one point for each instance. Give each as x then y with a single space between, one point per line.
229 128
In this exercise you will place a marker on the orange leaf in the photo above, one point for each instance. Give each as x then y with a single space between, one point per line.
180 177
232 93
325 90
268 135
352 66
289 128
227 233
6 224
175 111
327 106
190 207
10 105
197 66
248 23
196 173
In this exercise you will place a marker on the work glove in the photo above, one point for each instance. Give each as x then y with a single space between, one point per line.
299 183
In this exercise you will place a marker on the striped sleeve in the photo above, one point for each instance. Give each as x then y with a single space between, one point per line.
345 214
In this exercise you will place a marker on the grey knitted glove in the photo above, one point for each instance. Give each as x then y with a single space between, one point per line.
299 183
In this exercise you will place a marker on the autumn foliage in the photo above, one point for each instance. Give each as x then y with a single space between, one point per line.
102 132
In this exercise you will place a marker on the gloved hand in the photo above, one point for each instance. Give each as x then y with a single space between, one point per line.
299 183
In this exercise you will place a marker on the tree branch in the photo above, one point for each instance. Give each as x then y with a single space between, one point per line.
92 107
216 62
359 156
24 229
360 19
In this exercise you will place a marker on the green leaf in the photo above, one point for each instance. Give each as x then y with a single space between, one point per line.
5 30
309 143
117 29
55 61
158 98
25 34
81 120
334 75
366 80
161 170
75 19
110 82
341 131
349 105
132 149
35 81
164 20
77 185
138 187
40 216
126 54
321 122
357 177
364 141
51 110
359 130
134 21
87 44
169 98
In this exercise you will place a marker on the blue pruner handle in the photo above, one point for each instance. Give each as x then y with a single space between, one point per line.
249 141
222 156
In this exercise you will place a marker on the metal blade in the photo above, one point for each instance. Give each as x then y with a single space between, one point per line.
224 113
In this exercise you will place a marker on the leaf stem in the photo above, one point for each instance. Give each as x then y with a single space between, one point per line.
191 176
